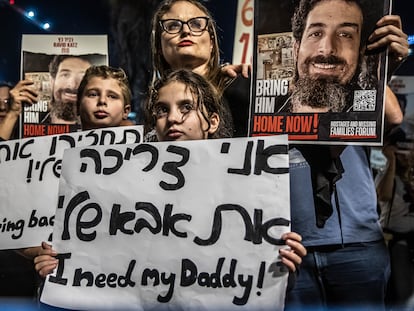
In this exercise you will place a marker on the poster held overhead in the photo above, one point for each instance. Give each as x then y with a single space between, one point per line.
313 91
56 64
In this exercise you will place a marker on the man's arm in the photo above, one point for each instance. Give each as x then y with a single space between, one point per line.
385 180
393 113
389 34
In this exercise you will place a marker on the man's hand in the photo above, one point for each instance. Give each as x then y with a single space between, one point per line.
389 34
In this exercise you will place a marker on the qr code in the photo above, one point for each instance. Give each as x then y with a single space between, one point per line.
365 100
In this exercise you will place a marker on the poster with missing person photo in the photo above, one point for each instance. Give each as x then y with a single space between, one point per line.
313 76
56 64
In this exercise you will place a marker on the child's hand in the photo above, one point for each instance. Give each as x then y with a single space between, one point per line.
292 256
45 262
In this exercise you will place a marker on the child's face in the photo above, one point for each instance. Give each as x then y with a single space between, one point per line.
178 118
102 104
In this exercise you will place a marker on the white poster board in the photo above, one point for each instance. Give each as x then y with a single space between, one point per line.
29 180
192 225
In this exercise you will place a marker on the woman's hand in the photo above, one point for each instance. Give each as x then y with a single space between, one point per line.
233 70
23 92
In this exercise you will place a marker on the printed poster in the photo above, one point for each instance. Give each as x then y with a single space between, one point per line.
44 59
192 225
305 87
243 33
29 180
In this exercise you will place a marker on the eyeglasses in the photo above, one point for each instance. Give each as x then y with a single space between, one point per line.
196 25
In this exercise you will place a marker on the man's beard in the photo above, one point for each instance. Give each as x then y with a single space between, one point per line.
321 93
65 110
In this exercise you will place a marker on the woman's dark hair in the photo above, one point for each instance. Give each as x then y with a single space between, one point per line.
160 65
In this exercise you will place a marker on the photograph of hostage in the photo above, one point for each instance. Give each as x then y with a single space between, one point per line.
331 56
66 72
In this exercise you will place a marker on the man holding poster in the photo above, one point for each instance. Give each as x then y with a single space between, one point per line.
347 263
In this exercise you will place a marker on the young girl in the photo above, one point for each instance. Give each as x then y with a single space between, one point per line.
184 106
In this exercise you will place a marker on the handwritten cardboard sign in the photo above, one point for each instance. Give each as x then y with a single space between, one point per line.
29 180
192 225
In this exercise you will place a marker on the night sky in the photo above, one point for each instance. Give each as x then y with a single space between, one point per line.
80 17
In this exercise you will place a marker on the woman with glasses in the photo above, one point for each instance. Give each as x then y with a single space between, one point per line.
184 36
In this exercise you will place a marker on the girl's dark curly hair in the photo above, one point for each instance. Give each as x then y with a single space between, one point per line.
204 93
